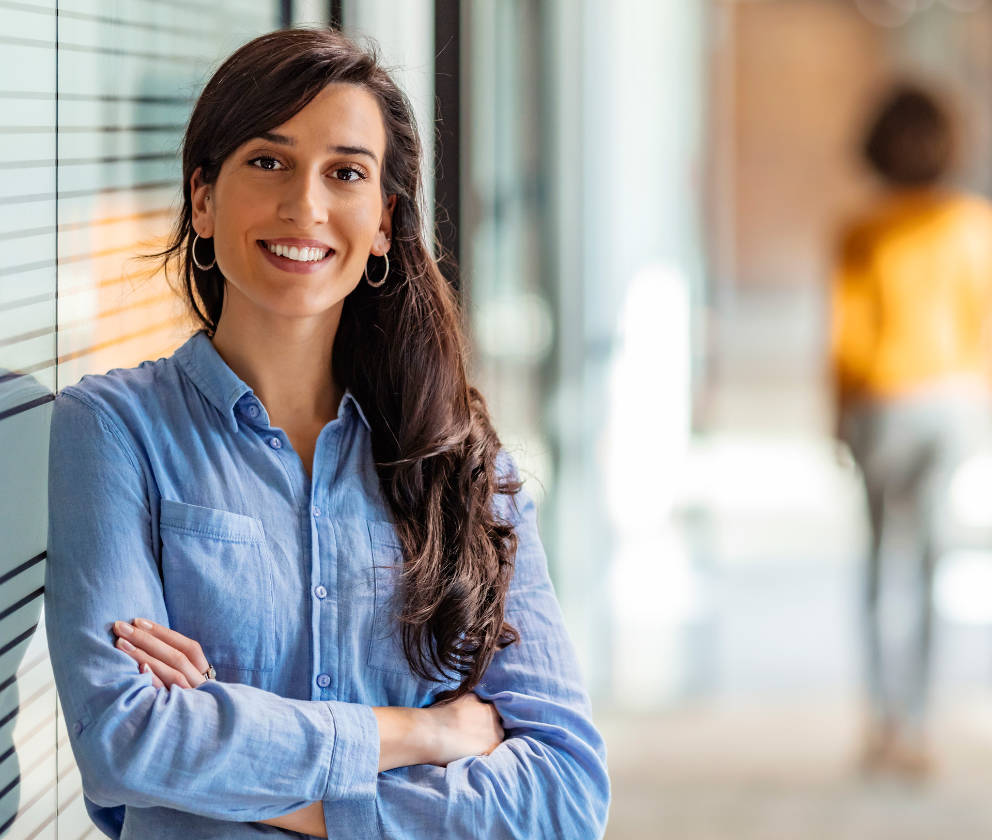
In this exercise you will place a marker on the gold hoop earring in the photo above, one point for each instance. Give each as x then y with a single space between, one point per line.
382 280
196 262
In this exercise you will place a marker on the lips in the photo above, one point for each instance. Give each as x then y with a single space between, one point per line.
300 243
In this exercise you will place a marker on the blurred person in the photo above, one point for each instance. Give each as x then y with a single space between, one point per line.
293 581
912 305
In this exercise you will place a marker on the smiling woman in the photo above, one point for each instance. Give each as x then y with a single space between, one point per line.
346 626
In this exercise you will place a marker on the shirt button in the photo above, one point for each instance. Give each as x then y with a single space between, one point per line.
275 443
77 727
316 510
252 410
320 591
323 680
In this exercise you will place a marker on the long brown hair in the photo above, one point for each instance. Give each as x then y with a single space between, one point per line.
399 348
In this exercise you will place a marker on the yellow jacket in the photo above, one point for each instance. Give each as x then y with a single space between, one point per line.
912 295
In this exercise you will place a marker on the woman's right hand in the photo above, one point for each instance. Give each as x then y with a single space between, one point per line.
463 727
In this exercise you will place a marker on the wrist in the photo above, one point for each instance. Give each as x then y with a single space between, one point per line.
432 729
407 736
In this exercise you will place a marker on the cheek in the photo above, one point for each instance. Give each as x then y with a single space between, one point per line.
362 218
239 215
226 241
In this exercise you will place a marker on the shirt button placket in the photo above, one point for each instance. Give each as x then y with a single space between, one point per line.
320 591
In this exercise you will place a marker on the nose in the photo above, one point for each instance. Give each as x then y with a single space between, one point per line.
305 200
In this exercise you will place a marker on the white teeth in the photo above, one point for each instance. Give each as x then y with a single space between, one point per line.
298 254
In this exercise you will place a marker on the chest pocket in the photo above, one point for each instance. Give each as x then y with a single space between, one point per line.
386 646
217 577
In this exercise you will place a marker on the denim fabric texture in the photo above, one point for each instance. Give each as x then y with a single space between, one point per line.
171 497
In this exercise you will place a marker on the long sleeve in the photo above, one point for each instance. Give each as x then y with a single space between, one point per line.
225 750
548 779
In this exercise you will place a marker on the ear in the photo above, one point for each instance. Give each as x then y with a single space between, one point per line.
202 204
381 244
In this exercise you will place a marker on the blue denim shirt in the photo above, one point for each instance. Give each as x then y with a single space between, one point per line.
171 497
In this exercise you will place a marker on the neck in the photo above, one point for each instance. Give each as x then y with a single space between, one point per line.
286 361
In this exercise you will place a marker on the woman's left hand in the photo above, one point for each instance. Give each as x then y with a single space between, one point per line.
170 657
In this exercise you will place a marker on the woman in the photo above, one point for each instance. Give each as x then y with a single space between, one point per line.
308 502
912 318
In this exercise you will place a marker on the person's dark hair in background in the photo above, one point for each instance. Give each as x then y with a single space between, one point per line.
912 140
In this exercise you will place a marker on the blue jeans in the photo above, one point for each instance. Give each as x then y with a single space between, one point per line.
907 450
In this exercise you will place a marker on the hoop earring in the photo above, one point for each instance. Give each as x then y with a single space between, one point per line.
196 262
382 280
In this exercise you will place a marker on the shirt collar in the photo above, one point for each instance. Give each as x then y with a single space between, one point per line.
202 363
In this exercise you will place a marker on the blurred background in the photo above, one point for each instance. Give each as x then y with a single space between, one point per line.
644 199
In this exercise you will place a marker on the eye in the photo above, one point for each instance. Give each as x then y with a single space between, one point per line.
263 158
361 176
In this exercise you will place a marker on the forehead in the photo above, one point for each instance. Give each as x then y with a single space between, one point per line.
342 114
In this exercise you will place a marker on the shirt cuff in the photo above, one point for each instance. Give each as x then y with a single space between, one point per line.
352 818
354 769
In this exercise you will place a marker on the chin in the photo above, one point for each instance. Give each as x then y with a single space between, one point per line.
285 305
290 300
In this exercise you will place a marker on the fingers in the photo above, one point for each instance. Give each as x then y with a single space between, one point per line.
190 647
170 664
163 676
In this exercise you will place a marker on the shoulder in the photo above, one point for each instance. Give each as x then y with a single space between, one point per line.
121 398
966 201
897 220
506 466
970 208
513 507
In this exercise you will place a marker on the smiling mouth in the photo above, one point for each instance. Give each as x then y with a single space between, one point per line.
292 253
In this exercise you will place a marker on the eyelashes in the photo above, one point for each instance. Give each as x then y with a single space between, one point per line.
262 157
359 174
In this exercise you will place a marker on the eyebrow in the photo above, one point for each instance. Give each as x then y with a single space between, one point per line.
283 140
